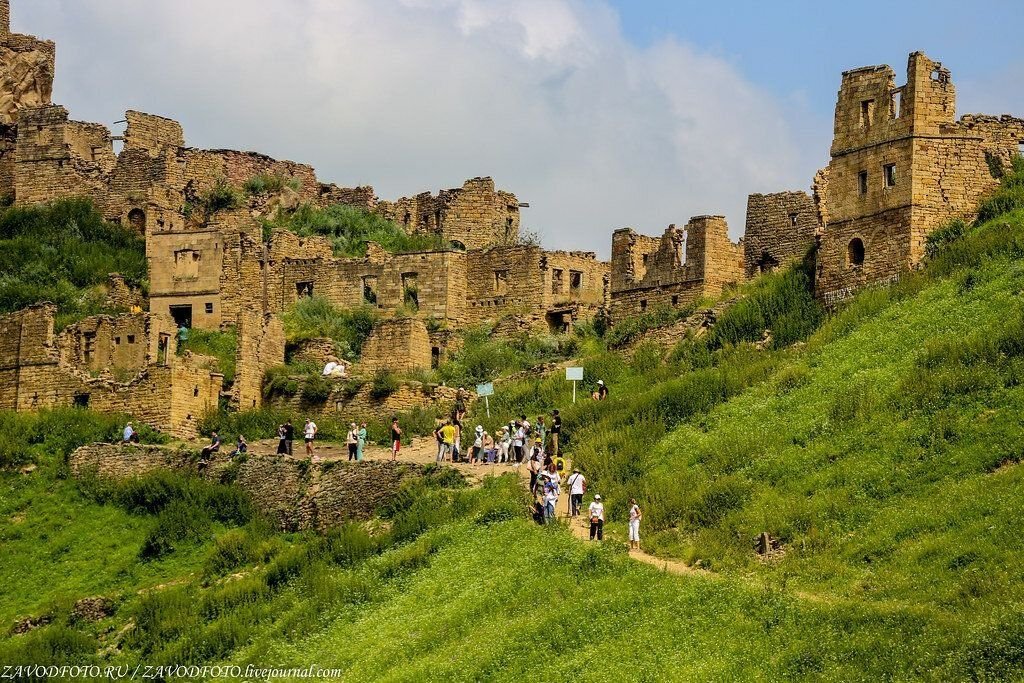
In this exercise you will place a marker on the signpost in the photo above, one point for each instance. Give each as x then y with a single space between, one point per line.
486 390
574 375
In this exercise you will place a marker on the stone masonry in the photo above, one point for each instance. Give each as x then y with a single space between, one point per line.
400 344
781 228
901 167
681 268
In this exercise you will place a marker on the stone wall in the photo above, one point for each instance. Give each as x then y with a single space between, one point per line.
647 273
780 230
185 275
398 344
40 370
296 494
260 347
352 400
901 167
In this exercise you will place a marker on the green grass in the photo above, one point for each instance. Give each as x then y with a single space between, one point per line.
220 345
313 317
62 253
350 229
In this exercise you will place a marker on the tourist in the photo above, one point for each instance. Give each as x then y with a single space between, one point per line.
361 442
213 447
602 390
352 441
490 452
182 334
478 446
282 440
551 492
242 447
577 484
460 404
527 429
289 435
537 452
447 442
129 434
308 433
396 438
456 447
556 431
518 441
534 468
597 518
439 437
635 515
504 445
542 432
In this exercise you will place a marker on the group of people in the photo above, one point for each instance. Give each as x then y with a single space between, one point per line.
515 443
286 435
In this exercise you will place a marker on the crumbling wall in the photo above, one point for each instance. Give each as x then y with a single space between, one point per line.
398 344
573 277
48 161
645 276
36 371
203 168
261 345
353 400
474 216
780 229
294 493
362 197
185 274
126 343
502 281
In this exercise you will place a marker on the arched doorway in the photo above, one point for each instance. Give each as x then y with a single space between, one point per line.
137 220
855 252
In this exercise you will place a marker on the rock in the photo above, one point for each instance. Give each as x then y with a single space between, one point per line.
93 609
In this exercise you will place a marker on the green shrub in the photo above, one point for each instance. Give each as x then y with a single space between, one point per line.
384 384
221 345
624 332
63 253
316 389
270 183
278 381
221 197
313 317
351 229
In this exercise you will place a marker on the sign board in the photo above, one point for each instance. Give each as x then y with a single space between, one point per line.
485 389
574 374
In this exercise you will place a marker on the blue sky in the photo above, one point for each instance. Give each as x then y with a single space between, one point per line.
800 48
601 113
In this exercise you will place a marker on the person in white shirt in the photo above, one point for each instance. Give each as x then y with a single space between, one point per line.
635 515
517 444
597 519
352 441
309 432
577 487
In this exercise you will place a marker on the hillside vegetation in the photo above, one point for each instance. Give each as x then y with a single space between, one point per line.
880 444
62 253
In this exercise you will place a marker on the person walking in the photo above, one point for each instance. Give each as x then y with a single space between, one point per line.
551 491
518 441
597 518
556 431
577 484
282 443
289 435
360 442
352 441
396 438
635 515
308 433
534 467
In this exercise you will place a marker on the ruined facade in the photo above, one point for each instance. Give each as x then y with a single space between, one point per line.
781 228
682 267
901 166
117 364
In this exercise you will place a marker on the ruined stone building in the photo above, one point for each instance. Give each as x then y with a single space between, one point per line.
126 364
676 270
901 166
781 228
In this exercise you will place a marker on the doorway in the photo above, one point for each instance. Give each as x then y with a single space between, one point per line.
182 315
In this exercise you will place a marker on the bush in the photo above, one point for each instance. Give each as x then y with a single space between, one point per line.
221 345
62 253
221 197
316 389
351 229
629 329
384 384
313 317
270 183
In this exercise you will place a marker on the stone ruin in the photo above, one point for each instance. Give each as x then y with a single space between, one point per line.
900 167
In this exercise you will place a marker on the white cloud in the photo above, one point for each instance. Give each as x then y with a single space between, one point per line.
547 96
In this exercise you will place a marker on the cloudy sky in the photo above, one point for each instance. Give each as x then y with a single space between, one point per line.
601 114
